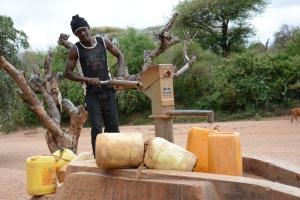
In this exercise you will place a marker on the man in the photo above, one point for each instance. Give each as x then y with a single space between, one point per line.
100 99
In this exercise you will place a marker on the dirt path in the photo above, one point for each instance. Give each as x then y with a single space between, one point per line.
274 138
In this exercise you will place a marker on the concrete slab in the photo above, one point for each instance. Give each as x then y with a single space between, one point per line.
272 170
93 186
223 187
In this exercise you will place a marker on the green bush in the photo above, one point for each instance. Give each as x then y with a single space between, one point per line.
252 81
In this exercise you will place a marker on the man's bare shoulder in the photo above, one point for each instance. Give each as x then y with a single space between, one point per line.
73 54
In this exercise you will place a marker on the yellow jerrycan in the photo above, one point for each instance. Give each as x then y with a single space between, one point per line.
164 155
224 153
63 157
41 175
197 143
119 150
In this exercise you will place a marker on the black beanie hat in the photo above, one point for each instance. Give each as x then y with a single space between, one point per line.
78 22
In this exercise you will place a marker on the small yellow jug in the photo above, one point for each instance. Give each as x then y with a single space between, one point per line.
41 175
63 157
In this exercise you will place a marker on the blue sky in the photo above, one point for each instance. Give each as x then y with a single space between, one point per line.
44 20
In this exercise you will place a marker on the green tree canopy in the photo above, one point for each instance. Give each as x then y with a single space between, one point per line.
283 36
133 43
286 38
11 39
220 24
11 42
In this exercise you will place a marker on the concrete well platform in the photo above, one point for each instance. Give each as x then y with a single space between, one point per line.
85 181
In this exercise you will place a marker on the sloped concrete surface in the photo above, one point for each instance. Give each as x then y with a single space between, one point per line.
272 170
129 184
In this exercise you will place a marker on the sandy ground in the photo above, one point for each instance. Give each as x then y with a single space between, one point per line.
274 138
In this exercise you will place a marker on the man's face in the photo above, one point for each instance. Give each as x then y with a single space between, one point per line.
83 34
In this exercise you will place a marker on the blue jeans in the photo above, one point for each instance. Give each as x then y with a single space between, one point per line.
102 109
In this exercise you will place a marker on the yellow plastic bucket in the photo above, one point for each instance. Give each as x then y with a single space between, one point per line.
224 154
41 175
63 157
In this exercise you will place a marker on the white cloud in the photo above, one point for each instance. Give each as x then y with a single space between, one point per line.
273 18
44 20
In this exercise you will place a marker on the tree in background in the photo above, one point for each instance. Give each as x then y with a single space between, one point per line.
220 24
11 39
285 35
11 42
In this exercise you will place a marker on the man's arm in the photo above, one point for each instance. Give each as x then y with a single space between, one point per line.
118 54
70 65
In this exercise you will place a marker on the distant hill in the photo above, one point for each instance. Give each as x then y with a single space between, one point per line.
112 32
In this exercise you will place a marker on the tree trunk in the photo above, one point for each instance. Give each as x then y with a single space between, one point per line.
224 41
56 136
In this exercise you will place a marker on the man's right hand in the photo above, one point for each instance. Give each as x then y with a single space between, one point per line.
93 81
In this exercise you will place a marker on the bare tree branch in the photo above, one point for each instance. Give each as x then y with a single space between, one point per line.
56 137
166 41
52 109
189 61
30 97
78 116
47 64
63 40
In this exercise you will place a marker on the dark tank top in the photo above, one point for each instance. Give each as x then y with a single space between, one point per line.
93 62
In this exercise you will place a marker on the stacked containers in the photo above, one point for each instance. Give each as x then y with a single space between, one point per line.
218 152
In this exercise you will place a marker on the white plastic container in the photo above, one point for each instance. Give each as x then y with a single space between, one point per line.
164 155
119 150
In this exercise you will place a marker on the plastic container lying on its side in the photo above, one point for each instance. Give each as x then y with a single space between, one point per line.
224 154
80 157
119 150
63 157
41 175
162 154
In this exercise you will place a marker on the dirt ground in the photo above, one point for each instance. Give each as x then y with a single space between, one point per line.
274 138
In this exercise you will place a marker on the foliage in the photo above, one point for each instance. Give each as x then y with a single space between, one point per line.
252 81
30 58
285 35
73 91
258 47
220 24
11 42
194 83
132 44
11 39
60 55
293 45
131 101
